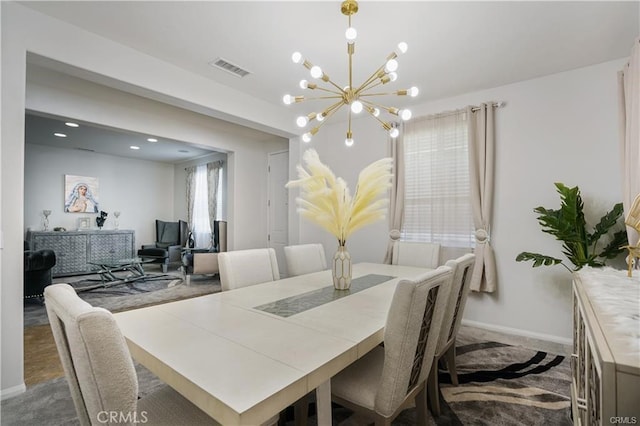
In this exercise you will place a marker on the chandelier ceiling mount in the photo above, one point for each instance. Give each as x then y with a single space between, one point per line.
357 98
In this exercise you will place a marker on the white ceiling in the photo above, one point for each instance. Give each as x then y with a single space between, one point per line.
454 47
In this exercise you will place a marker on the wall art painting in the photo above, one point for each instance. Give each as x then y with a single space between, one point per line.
81 194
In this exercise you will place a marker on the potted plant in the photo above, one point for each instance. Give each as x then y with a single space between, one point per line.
568 225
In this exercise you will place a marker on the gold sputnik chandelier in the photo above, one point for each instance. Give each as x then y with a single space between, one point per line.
358 99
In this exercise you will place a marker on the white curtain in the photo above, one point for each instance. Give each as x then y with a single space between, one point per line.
481 169
629 105
213 178
191 193
396 197
201 227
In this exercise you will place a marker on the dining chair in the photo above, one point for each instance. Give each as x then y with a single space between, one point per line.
304 259
100 371
390 378
409 253
242 268
462 268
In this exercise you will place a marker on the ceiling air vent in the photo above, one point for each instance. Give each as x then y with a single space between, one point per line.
227 66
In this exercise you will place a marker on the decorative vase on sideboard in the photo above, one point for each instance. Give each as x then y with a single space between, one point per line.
341 268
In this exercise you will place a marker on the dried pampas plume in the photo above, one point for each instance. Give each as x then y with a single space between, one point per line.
326 201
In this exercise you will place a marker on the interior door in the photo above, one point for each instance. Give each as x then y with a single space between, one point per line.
278 175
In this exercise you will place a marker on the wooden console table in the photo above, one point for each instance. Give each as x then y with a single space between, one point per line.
605 363
76 251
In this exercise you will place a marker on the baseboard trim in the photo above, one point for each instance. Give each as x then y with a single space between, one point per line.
12 391
519 333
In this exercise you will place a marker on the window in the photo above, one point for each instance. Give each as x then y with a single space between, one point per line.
201 217
437 187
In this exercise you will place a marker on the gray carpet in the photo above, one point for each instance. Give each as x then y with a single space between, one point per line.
157 288
499 385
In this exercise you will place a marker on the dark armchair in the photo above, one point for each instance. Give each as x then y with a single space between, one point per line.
37 271
171 238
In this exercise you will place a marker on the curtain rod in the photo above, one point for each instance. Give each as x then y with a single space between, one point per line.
499 104
457 111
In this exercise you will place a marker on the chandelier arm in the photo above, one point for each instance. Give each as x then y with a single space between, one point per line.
380 94
328 90
322 97
335 85
333 110
385 125
386 108
371 78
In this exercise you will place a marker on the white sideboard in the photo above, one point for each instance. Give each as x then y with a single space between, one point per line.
77 250
605 363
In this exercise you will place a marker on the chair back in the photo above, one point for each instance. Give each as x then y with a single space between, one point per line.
410 336
171 233
462 268
94 355
424 255
304 259
242 268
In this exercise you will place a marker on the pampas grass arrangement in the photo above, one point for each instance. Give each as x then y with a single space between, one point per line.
326 201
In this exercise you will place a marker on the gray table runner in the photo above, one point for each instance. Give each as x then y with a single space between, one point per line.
302 302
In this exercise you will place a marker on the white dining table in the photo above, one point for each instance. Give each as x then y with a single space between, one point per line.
244 355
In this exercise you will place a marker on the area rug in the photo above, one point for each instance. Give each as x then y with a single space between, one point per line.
499 385
41 356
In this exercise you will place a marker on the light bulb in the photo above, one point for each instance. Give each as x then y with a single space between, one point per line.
304 84
356 107
376 112
321 117
413 92
296 57
316 71
287 99
351 34
348 141
402 47
393 76
302 121
393 132
306 137
405 114
391 65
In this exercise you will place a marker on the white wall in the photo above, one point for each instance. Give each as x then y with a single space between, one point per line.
559 128
141 190
26 31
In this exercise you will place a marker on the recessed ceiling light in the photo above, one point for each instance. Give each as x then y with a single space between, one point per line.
183 150
152 139
60 135
134 147
70 124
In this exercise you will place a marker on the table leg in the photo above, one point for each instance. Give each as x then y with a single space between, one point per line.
323 401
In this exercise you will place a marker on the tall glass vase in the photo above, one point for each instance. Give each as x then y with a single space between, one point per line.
341 268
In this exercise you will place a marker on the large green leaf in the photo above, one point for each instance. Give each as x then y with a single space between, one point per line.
616 246
538 259
607 222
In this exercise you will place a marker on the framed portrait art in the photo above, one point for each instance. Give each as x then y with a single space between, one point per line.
81 194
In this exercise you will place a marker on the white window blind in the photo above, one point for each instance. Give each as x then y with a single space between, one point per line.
437 190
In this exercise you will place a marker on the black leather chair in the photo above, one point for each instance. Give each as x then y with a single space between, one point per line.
37 272
171 237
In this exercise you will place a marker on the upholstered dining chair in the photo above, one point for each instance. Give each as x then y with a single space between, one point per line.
408 253
242 268
462 268
304 259
388 379
100 371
